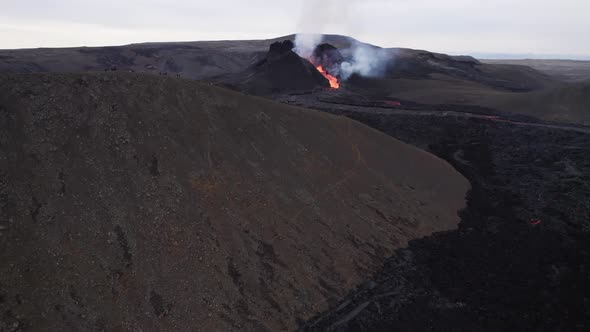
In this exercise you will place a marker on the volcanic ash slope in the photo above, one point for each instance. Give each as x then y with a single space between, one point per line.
134 202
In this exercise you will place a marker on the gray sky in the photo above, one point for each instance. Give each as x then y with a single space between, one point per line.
453 26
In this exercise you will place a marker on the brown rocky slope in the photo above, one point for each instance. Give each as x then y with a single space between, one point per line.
135 202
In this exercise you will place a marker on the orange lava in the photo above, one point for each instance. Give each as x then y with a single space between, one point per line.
334 84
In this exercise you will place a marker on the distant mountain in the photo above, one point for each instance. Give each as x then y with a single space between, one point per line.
513 56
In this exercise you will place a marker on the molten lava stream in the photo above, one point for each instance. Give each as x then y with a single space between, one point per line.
334 84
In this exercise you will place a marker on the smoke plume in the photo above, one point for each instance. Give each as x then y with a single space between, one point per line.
366 61
305 43
317 17
361 59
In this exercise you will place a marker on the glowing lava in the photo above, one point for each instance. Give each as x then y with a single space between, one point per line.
334 84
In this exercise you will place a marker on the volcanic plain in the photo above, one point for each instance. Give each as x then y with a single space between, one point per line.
229 186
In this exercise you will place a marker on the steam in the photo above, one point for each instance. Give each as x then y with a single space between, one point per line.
366 61
316 17
305 44
361 59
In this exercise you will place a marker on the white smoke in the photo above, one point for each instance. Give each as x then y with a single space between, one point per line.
366 61
317 16
305 43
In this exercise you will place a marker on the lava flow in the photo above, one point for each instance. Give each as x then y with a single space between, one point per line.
334 84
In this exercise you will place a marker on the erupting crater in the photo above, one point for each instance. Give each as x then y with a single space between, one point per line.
327 60
334 84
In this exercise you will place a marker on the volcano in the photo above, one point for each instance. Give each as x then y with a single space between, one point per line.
281 71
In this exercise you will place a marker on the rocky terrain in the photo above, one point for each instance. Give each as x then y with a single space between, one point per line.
521 256
563 103
137 202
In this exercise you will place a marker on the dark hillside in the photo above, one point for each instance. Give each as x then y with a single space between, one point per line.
136 202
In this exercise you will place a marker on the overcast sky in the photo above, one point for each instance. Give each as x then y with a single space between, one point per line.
453 26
